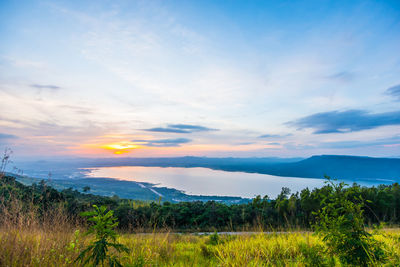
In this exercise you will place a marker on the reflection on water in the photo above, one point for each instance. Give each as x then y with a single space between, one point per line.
203 181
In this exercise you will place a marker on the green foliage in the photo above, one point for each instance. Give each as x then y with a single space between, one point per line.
74 244
340 222
213 239
105 238
314 255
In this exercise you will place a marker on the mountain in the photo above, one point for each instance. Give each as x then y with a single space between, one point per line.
343 167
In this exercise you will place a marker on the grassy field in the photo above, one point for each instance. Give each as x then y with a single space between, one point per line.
60 248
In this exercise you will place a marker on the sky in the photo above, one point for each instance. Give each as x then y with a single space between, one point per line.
202 78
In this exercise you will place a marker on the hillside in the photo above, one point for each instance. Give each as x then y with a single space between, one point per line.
343 167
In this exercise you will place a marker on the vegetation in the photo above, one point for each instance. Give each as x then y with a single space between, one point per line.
341 224
286 211
41 247
126 189
41 226
105 236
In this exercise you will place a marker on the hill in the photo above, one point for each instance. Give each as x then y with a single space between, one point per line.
343 167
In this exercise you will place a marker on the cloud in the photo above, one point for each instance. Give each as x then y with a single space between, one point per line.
245 143
165 130
8 136
355 143
352 144
44 86
347 144
394 91
181 128
343 76
274 135
163 142
78 109
193 128
345 121
296 146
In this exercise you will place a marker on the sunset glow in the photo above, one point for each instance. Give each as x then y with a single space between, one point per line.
121 148
206 78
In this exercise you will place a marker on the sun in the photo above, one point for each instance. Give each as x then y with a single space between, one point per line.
120 147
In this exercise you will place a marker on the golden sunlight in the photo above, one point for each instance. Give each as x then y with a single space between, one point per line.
120 147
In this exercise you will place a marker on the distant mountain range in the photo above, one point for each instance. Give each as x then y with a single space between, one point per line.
335 166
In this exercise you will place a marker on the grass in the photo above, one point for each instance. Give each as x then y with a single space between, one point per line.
38 247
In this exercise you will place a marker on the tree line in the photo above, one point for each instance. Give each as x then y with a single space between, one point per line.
287 210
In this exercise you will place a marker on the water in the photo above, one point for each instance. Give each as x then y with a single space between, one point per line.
203 181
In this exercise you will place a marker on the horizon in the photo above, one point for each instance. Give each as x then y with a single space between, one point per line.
18 160
141 79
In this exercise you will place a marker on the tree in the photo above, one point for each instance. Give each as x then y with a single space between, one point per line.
86 189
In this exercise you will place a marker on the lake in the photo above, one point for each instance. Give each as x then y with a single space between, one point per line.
203 181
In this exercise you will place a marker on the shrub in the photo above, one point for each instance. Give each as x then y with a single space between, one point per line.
340 222
105 238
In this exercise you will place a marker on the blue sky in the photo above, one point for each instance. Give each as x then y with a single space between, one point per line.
212 78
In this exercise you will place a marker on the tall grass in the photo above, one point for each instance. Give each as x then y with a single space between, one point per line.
40 247
54 240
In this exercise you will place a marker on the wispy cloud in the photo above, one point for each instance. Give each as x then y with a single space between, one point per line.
343 76
245 143
347 144
192 128
181 128
163 142
45 86
394 91
345 121
8 136
274 135
350 144
273 144
355 143
165 130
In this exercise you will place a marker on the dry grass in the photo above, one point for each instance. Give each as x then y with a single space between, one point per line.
52 240
38 247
